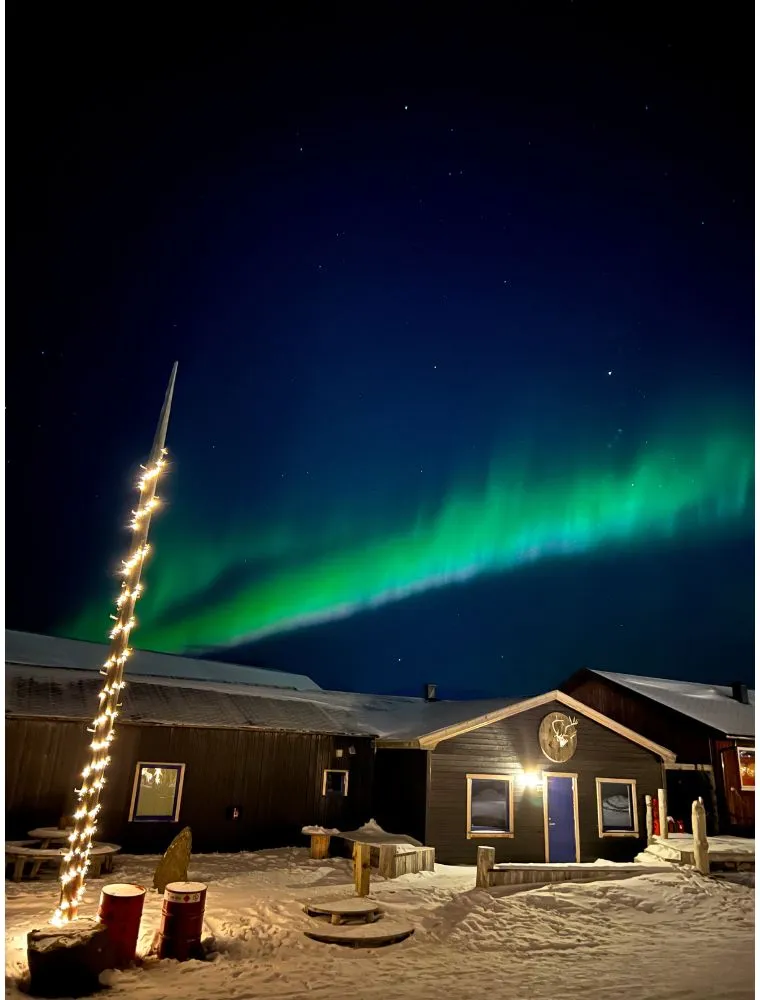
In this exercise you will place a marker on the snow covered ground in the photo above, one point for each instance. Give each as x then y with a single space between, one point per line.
652 937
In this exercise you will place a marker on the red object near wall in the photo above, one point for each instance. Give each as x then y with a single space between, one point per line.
655 816
121 907
182 920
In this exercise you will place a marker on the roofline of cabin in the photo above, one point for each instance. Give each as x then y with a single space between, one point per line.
429 741
82 721
712 731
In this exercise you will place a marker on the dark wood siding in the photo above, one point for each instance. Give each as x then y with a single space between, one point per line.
400 791
739 805
510 746
274 777
688 739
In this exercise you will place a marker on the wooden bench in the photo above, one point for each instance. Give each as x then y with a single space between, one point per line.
22 852
394 860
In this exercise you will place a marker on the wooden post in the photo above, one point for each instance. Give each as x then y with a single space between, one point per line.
486 861
662 805
361 869
320 845
699 829
650 818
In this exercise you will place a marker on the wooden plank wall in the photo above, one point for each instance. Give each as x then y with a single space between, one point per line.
507 746
274 778
688 739
740 805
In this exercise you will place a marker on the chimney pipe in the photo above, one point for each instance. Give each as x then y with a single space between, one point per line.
431 692
740 692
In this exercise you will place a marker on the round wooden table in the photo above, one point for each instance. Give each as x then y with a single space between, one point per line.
50 835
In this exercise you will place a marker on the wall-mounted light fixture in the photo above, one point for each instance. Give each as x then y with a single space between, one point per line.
531 781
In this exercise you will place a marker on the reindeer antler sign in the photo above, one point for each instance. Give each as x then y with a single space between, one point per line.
558 736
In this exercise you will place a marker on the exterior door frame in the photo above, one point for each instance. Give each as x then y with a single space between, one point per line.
561 774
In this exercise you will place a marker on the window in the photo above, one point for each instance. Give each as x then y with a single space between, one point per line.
157 792
616 807
746 768
489 806
335 782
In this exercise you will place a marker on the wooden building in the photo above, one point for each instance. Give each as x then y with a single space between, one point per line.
711 729
245 765
542 779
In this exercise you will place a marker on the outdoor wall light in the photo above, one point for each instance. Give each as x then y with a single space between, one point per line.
532 781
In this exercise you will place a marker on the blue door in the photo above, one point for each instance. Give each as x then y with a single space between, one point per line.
560 817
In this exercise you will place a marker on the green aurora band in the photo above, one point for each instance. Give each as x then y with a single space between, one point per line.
686 486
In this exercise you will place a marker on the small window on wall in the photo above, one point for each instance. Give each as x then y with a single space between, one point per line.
156 793
746 768
490 811
616 807
335 782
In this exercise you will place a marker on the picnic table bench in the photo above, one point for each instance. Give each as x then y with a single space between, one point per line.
22 852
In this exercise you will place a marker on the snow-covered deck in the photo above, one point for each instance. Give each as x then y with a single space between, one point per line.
729 852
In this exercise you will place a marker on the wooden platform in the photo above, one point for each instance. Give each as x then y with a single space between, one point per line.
341 911
541 874
724 853
375 935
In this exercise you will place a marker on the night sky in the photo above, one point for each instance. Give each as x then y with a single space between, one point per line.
464 319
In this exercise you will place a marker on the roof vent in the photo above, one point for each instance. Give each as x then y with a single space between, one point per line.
740 692
431 692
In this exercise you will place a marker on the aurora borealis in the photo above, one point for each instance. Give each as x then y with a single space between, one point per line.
465 342
671 490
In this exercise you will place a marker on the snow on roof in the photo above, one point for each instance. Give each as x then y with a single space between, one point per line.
711 704
50 651
47 677
59 693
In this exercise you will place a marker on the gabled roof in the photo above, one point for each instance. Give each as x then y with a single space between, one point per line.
711 704
50 651
430 738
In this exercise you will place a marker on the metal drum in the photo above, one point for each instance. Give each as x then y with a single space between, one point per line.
121 907
182 920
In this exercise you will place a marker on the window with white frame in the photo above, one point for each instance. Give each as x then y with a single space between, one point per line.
616 807
157 792
334 782
490 806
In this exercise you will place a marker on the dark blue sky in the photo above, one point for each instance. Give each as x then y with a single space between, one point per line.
396 260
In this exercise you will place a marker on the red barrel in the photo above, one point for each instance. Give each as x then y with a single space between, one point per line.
182 920
121 906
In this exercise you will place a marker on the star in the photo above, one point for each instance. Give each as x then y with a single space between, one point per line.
609 373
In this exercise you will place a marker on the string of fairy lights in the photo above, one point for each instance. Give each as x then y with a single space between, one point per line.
76 861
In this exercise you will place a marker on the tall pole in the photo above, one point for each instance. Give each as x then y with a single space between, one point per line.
76 860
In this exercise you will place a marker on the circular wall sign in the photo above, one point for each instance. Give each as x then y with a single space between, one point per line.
558 736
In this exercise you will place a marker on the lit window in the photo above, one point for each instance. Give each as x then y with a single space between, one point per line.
335 782
746 768
616 807
489 806
156 793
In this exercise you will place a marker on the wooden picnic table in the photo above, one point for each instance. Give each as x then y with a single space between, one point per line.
22 852
50 834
